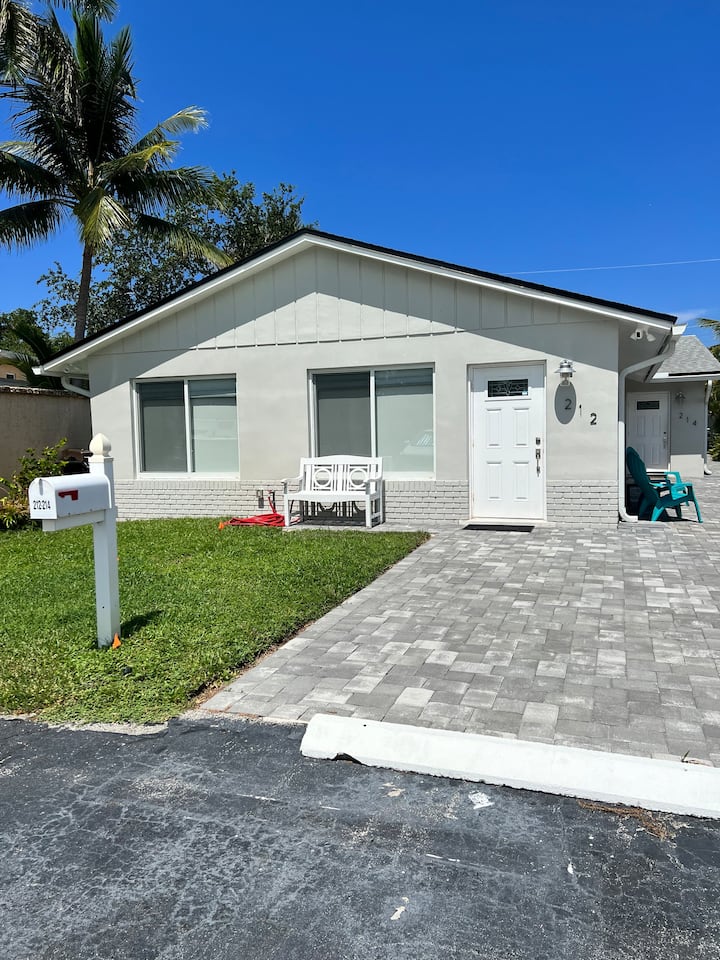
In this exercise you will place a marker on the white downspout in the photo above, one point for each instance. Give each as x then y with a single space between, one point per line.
668 351
708 390
73 388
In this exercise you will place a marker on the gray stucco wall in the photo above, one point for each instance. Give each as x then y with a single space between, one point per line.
324 310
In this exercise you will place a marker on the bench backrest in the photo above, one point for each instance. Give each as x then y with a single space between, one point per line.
338 473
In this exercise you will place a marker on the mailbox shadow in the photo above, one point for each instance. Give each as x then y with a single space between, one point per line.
131 626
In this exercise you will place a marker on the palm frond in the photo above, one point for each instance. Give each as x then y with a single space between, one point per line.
188 120
104 9
106 106
100 216
54 67
31 335
137 162
24 224
17 29
20 176
151 191
710 324
183 240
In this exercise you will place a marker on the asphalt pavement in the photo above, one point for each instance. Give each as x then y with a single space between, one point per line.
216 839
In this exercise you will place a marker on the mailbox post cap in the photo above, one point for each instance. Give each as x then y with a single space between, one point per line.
99 447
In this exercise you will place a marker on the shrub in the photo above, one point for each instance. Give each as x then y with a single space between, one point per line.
14 506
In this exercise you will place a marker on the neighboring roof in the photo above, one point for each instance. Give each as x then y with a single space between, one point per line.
348 245
690 359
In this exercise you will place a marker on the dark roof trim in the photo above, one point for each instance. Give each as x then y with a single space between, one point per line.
429 261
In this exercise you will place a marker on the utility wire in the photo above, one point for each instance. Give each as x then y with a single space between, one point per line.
621 266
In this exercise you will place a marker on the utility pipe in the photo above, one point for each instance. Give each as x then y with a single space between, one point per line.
667 351
73 387
708 390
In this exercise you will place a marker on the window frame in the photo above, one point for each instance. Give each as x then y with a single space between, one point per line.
141 474
371 370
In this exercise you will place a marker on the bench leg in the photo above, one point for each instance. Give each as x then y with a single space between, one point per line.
287 510
368 512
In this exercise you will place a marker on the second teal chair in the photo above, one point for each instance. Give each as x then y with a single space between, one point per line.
656 498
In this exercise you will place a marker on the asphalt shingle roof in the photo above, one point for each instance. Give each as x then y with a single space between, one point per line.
691 358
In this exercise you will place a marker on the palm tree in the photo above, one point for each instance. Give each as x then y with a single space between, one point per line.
31 345
77 155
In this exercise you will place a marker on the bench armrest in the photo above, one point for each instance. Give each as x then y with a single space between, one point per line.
289 480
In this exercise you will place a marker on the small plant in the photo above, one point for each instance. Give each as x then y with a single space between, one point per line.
14 506
714 446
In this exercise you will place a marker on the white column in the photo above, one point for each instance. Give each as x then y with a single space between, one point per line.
107 592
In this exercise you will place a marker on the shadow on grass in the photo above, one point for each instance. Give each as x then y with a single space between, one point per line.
134 624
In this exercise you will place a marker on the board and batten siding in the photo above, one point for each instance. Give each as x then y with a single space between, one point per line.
326 310
321 296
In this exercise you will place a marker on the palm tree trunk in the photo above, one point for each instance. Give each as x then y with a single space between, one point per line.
81 308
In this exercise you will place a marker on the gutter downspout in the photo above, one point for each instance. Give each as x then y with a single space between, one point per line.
73 388
667 351
708 390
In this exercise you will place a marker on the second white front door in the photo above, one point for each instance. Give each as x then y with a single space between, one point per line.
508 442
647 428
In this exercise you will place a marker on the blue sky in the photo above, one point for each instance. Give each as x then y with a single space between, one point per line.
510 137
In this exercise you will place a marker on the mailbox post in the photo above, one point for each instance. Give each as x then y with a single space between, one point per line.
63 502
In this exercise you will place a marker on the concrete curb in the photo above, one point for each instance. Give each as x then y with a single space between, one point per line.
666 785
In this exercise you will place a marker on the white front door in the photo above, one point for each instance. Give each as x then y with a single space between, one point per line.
507 442
647 428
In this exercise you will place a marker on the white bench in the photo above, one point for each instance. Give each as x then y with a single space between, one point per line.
338 479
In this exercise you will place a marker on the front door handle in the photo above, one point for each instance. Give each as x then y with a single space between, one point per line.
538 455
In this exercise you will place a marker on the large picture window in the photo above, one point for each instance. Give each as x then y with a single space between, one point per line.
383 413
188 426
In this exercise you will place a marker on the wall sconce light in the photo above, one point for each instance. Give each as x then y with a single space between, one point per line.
566 370
679 396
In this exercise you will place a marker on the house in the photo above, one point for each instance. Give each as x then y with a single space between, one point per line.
9 372
667 413
489 398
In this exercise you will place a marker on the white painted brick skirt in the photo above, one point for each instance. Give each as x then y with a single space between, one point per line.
586 504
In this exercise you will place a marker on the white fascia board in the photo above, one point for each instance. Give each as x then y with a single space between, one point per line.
71 359
69 362
677 377
636 319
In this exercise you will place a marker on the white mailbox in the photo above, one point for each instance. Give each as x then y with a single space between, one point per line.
65 502
52 498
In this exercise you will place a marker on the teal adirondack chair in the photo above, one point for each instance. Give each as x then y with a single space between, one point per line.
656 498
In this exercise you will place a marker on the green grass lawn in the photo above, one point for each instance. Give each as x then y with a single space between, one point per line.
196 604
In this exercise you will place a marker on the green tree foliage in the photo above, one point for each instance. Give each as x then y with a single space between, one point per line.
31 344
137 271
76 154
14 507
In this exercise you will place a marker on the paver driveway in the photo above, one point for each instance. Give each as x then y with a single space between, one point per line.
608 639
